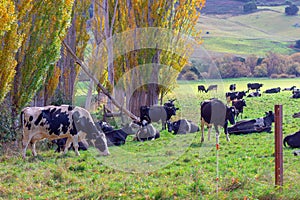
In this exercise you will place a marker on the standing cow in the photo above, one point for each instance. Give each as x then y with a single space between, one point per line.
56 122
215 112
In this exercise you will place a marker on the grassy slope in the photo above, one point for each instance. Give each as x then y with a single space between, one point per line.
256 33
170 167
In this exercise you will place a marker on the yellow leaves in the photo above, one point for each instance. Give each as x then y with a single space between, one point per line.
7 16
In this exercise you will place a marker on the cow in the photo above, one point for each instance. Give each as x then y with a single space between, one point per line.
201 88
273 90
292 140
212 87
297 153
254 86
61 144
157 113
296 94
118 137
258 125
239 105
146 131
254 94
56 122
215 112
232 87
230 96
296 115
182 126
289 89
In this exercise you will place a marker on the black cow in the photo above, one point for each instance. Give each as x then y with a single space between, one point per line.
254 94
158 113
230 96
292 140
201 88
273 90
289 89
61 144
239 105
118 137
296 94
212 87
296 115
262 124
182 126
232 87
254 86
146 131
215 112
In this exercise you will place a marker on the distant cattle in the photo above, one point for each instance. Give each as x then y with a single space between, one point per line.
232 87
262 124
201 88
292 140
254 86
230 96
145 131
182 126
296 115
273 90
215 113
56 122
296 94
158 113
254 94
289 89
212 87
239 105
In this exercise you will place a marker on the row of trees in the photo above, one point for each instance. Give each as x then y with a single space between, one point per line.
34 66
230 66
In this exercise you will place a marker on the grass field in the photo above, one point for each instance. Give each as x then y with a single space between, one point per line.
269 29
172 167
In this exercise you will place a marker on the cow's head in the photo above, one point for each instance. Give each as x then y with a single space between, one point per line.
230 114
101 144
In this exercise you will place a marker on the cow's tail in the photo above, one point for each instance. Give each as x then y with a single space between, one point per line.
285 141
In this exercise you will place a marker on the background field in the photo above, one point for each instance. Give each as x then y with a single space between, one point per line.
172 167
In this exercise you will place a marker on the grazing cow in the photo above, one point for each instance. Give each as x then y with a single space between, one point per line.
201 88
292 140
273 90
254 94
239 105
262 124
146 131
254 86
232 87
289 89
212 87
56 122
182 126
61 143
215 112
158 113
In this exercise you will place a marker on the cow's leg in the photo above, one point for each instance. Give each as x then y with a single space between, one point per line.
209 131
217 134
226 131
202 130
33 148
67 145
75 144
26 140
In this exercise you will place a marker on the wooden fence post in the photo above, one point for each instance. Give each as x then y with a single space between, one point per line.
278 146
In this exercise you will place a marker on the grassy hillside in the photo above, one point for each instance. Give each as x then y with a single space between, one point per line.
172 167
256 33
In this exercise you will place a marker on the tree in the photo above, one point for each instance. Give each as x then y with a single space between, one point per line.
291 10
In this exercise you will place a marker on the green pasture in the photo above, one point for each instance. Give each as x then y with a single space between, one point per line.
268 29
171 167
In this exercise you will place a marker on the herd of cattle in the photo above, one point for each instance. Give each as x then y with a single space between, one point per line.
71 126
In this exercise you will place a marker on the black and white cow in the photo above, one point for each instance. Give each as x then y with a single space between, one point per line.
158 113
254 94
56 122
296 115
182 126
215 112
212 87
232 87
254 86
201 88
239 105
273 90
292 140
262 124
289 89
230 96
145 131
296 94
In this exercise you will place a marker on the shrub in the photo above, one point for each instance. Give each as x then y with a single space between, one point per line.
291 10
189 75
250 7
260 71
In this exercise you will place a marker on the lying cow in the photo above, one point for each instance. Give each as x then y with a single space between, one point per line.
292 140
296 115
254 94
215 112
273 90
254 86
56 122
289 89
262 124
182 126
296 95
146 131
